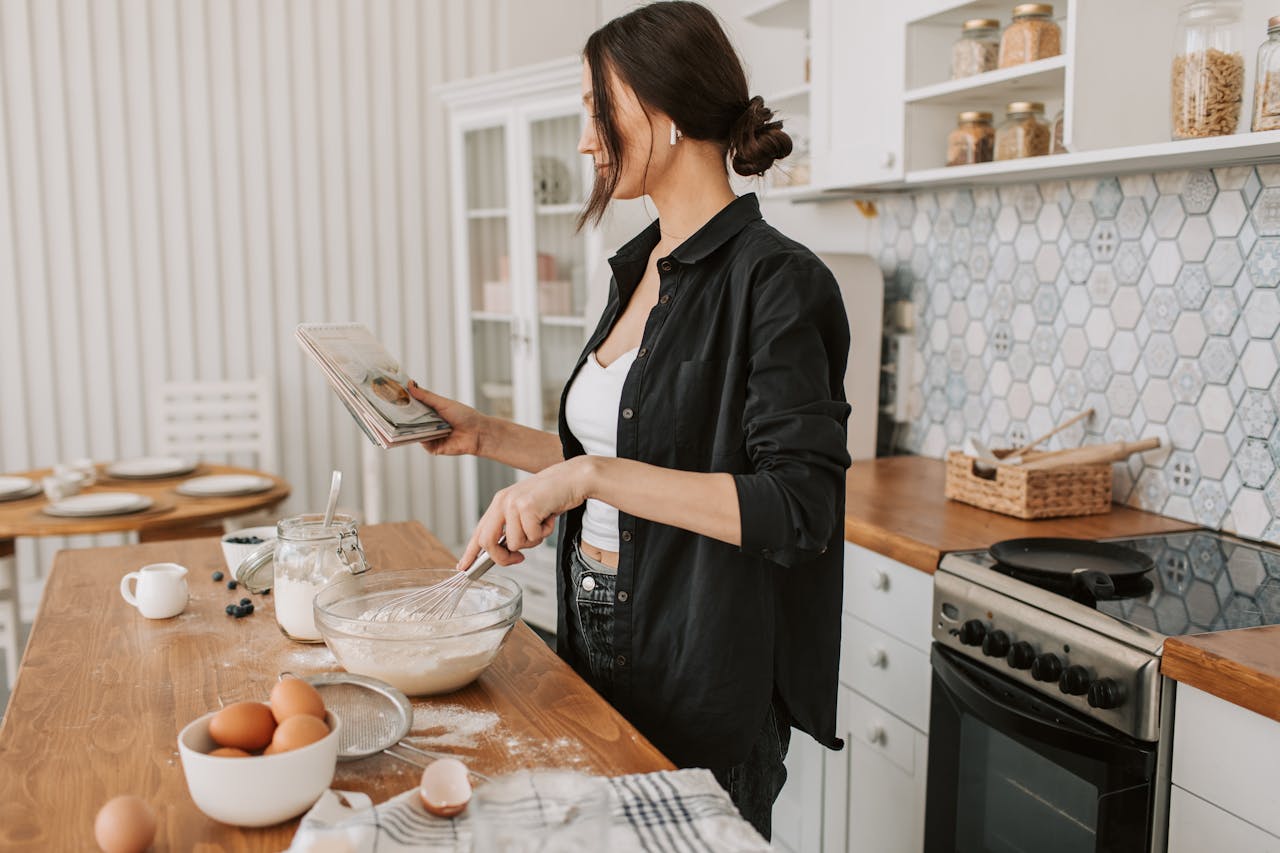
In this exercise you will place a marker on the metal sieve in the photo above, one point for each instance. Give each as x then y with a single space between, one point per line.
375 717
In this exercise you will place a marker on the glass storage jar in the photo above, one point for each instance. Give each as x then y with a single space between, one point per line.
305 556
973 140
1032 35
978 48
1266 83
1056 146
1207 76
1023 133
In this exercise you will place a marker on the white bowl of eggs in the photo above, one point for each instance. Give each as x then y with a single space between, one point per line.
254 764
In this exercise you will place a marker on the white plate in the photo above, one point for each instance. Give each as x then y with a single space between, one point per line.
14 486
99 503
151 467
224 485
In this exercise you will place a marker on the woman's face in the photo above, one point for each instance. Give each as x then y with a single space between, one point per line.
644 138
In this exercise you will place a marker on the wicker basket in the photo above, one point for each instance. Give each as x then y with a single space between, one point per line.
1051 493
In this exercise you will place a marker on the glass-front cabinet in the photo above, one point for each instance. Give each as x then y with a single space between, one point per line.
519 262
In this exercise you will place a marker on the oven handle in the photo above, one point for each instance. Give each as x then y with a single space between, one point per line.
1062 733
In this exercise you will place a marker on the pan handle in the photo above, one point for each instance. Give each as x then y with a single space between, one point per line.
1097 584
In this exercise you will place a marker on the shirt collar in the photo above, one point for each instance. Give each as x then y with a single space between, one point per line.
718 230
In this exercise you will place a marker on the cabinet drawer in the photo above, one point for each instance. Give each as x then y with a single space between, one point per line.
886 773
886 670
1226 755
1196 826
892 596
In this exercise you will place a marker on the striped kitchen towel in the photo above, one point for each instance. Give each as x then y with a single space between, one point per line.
681 811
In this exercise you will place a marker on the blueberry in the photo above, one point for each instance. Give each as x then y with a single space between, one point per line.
231 584
266 592
237 611
231 609
245 601
217 576
248 608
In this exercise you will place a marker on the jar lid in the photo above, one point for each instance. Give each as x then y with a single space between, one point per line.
980 24
1025 107
1273 22
256 572
975 115
1024 9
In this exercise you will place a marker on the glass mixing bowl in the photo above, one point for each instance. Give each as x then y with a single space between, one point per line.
422 657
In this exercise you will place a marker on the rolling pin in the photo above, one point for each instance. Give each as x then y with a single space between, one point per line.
1092 454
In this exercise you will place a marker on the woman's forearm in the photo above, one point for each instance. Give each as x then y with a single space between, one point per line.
518 446
706 504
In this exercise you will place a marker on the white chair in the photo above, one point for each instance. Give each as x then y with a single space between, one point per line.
224 420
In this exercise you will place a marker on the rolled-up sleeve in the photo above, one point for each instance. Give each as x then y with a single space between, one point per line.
795 417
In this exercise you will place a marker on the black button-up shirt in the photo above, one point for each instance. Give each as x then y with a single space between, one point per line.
744 371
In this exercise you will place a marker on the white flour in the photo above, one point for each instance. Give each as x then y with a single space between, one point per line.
293 600
451 726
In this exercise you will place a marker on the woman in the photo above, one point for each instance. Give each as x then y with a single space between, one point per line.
699 468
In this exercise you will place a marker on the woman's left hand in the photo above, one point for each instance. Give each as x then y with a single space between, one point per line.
526 512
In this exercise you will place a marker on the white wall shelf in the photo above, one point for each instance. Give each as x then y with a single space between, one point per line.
487 213
789 102
1034 81
787 14
572 208
566 321
491 316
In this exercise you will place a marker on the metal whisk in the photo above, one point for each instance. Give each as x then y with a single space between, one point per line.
437 601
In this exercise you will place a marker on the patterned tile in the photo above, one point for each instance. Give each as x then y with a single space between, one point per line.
1218 360
1192 286
1187 381
1220 312
1266 212
1198 192
1254 463
1257 414
1183 474
1161 355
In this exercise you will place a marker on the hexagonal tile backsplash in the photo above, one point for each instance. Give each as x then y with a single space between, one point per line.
1151 298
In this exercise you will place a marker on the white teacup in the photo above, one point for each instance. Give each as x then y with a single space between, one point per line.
161 590
58 486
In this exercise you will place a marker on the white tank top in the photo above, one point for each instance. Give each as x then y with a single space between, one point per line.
591 410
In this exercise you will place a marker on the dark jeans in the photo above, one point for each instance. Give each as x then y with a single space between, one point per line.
754 784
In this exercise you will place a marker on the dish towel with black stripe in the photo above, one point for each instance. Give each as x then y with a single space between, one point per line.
669 811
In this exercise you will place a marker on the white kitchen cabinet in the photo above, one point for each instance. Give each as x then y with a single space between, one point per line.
519 264
1196 826
797 814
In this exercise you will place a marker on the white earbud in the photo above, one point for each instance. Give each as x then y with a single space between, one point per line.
675 134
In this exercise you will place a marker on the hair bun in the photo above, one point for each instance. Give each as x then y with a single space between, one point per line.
756 140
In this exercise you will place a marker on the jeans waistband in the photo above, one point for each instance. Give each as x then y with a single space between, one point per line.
592 564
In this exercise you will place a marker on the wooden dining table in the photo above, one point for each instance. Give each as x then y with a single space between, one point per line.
103 692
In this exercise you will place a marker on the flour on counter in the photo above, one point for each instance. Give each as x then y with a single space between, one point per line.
450 725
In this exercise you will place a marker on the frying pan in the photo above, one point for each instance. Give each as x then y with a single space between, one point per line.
1092 566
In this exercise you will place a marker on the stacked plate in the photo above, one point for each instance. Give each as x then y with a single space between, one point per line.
17 488
224 485
98 504
151 468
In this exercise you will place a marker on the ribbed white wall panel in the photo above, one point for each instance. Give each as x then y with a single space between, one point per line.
183 181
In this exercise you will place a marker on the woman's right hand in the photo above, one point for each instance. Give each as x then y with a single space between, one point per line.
467 423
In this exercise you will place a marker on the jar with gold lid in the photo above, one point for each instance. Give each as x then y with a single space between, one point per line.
1023 133
973 140
1032 35
978 48
1266 85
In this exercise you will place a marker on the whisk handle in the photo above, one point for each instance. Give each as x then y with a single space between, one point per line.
482 563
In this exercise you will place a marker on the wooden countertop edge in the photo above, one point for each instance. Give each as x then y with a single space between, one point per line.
892 545
1240 666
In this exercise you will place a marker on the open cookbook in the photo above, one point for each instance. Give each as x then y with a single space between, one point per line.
370 384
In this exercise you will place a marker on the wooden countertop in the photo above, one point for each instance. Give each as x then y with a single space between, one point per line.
102 694
1240 666
895 506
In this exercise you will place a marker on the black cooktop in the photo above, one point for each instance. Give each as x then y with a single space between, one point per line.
1202 581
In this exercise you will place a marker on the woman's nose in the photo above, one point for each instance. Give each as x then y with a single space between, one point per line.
587 141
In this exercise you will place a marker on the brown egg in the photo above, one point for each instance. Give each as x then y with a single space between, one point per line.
297 732
230 752
244 725
126 824
293 696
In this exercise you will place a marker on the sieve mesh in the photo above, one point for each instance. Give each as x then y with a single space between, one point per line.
374 714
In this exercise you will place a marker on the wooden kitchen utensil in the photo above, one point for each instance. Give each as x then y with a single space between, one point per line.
1051 433
1091 454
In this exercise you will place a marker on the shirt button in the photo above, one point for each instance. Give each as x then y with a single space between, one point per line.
588 583
622 596
643 352
628 414
620 660
765 552
664 298
665 266
626 536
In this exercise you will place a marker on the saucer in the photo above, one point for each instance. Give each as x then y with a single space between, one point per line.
224 485
98 504
151 467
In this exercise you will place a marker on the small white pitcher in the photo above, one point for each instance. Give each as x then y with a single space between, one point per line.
161 590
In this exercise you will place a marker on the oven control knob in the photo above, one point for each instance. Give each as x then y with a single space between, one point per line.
1021 655
1105 693
1075 681
1047 667
996 644
972 632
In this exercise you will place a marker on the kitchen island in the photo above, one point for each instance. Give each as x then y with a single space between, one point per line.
102 694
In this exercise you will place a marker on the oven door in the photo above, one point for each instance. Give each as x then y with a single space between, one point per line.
1012 772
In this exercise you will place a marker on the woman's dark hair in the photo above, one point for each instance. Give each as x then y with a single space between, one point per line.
677 59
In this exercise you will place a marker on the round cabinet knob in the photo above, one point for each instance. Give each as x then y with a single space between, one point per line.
1047 667
972 632
1106 694
1075 681
878 657
1021 655
876 733
996 644
880 580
